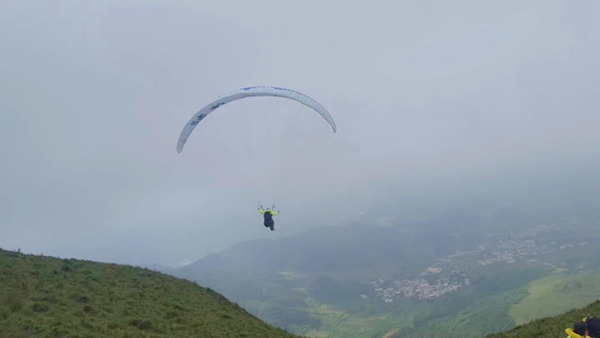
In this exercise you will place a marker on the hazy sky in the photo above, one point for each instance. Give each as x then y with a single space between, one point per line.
94 95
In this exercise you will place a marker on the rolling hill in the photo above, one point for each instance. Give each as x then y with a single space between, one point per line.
52 297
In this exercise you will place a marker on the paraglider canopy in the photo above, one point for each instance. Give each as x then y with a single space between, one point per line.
251 92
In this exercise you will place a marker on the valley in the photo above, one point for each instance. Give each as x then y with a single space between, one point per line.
406 282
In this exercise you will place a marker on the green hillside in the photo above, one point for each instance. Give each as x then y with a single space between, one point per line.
51 297
552 326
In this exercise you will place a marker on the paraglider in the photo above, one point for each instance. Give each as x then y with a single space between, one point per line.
268 215
257 91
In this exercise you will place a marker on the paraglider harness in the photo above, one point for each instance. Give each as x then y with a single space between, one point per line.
269 219
268 216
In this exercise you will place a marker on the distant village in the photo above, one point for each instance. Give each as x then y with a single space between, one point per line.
519 247
418 288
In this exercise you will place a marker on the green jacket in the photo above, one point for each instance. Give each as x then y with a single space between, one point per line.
274 213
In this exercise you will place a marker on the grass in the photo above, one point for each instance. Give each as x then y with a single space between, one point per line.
555 294
51 297
488 314
340 323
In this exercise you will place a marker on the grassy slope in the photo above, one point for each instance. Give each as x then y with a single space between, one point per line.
556 294
340 323
552 326
488 314
73 298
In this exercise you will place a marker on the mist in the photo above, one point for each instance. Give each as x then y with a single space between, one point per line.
438 105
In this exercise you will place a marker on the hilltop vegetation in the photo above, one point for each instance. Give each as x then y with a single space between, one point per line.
73 298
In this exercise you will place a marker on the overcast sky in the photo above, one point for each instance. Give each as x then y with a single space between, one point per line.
94 95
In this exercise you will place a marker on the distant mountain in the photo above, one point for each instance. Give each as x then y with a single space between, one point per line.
353 251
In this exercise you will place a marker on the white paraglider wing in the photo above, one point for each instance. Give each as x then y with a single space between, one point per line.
251 92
